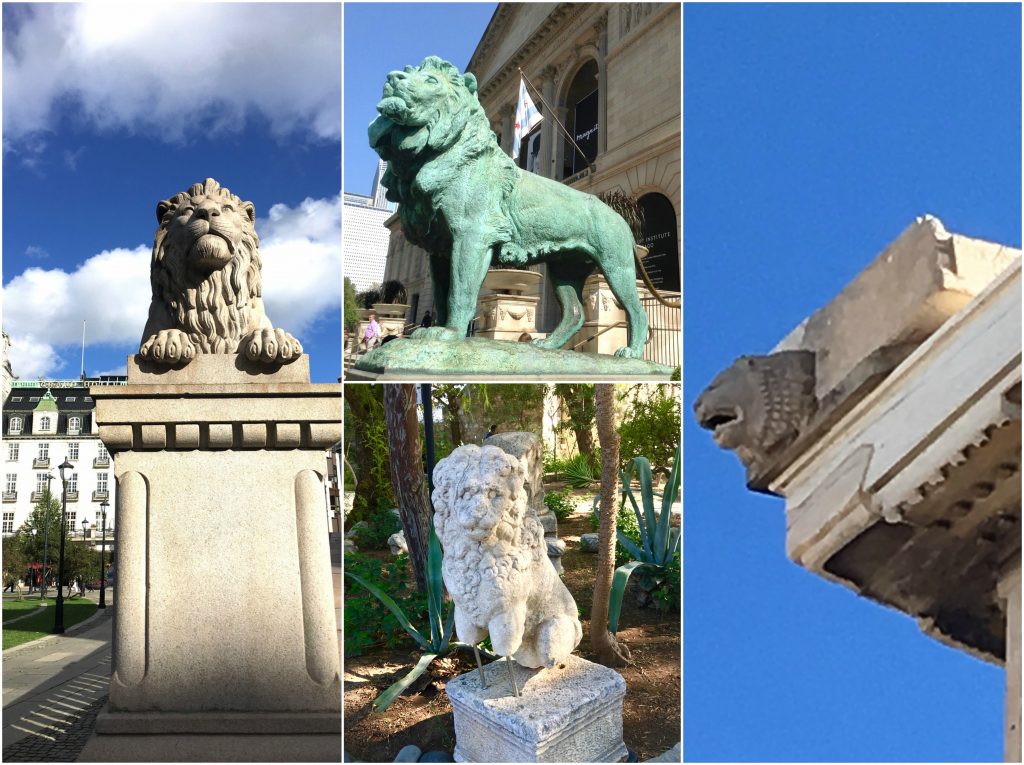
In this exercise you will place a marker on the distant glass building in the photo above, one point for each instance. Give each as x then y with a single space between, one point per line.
364 234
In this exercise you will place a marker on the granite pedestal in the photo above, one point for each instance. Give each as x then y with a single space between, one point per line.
224 623
570 713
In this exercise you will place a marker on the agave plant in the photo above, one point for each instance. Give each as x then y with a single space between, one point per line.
658 541
439 643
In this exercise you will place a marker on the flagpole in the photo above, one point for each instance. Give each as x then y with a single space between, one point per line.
83 349
552 111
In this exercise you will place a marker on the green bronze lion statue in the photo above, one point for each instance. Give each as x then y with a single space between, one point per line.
466 203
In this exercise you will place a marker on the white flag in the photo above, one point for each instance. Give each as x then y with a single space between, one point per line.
527 117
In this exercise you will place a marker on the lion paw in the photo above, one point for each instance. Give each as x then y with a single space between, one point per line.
271 346
168 346
435 333
547 343
628 353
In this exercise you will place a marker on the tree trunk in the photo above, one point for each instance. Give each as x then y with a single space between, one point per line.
408 476
610 651
579 405
359 400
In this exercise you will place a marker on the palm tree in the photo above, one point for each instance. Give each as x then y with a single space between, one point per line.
609 650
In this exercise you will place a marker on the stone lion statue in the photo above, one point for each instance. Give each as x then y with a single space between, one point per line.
207 284
759 405
496 566
468 205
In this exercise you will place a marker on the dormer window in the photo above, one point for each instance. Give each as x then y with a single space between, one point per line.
15 425
74 425
44 422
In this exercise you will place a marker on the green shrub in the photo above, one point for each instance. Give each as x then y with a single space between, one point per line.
625 524
558 503
379 526
578 472
368 622
668 596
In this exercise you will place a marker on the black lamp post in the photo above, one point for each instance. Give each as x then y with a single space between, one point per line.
103 545
31 574
58 612
46 531
85 528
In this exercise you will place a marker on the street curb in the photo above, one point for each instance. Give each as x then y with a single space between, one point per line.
69 632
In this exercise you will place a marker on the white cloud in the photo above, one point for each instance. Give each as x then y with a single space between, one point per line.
44 308
172 69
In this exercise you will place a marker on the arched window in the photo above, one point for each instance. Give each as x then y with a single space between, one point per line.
44 422
662 239
15 425
581 120
74 424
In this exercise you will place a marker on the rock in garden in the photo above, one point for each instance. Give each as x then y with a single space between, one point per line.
350 546
672 755
436 756
409 753
356 528
556 546
588 542
397 543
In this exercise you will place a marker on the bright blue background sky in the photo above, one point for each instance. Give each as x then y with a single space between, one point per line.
813 135
381 37
101 122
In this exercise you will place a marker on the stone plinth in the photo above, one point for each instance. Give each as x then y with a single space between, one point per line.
570 713
507 317
225 618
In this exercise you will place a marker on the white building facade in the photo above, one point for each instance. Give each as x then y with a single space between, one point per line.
364 234
46 422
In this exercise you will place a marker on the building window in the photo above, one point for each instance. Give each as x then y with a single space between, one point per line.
103 454
71 398
11 485
33 399
44 423
14 426
101 482
8 523
74 425
41 482
529 152
72 450
73 484
661 238
17 398
72 514
12 452
44 450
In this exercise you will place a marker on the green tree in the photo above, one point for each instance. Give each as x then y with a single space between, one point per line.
15 560
366 443
351 306
578 399
651 427
80 560
46 526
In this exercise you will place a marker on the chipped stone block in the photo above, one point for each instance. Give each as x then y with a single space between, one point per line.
570 713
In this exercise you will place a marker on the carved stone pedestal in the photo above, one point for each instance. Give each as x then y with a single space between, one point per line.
225 639
570 713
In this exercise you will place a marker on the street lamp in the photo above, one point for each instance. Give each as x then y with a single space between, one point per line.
58 616
46 531
85 528
103 574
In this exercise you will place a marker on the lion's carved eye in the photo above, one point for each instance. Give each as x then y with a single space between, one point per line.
431 79
228 208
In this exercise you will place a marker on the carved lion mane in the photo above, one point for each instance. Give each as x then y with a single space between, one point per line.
207 282
495 559
463 200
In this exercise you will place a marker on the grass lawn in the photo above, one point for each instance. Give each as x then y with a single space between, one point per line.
41 624
16 608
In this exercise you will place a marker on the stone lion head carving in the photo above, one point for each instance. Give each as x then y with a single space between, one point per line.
495 559
207 282
759 405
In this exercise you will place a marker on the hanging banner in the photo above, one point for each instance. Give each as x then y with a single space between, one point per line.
661 238
585 132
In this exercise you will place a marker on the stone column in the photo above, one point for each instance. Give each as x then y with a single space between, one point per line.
601 26
561 112
508 123
1010 593
548 131
225 639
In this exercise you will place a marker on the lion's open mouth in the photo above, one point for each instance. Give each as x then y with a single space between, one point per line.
394 108
720 420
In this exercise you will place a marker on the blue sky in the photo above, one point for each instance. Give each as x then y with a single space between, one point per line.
381 37
812 137
109 109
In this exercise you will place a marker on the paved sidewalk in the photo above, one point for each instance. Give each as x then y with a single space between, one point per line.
52 690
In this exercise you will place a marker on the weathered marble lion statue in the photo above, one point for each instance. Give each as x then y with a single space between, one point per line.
496 566
207 284
466 203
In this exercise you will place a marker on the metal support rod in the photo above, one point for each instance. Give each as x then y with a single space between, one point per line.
551 111
511 675
480 666
46 532
103 576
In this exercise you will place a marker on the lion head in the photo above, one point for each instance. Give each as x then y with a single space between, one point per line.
760 404
206 265
478 493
